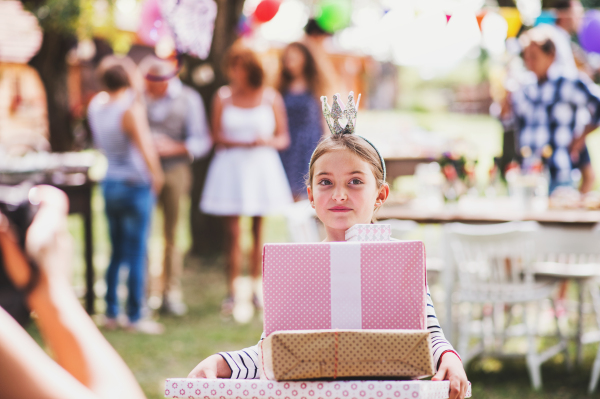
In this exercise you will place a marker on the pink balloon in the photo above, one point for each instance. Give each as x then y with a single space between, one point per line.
152 25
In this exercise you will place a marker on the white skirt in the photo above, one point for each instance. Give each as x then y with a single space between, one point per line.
245 181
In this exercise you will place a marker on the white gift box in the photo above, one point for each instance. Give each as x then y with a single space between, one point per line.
258 389
369 232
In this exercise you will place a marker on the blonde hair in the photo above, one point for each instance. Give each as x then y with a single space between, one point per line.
357 145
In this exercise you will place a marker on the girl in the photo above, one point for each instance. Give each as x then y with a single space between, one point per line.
346 186
245 177
298 84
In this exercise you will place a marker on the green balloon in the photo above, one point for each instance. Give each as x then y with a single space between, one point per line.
333 15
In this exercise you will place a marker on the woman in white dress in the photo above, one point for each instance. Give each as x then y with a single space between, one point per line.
246 177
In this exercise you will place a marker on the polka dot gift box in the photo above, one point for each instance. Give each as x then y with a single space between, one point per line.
261 389
344 285
301 355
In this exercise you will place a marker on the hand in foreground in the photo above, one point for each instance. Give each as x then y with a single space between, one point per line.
213 366
452 369
48 241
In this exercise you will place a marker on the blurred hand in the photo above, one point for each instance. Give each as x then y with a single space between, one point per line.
451 368
15 263
261 141
212 367
167 147
158 181
47 242
576 146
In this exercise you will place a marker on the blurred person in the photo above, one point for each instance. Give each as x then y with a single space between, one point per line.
554 113
178 124
246 177
299 84
315 39
85 364
120 129
571 60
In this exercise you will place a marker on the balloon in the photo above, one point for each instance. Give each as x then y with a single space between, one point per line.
266 10
546 17
333 15
513 19
152 25
589 34
244 26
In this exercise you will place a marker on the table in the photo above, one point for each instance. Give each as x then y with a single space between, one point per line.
564 230
491 212
402 166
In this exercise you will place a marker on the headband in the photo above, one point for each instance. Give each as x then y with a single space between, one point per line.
337 112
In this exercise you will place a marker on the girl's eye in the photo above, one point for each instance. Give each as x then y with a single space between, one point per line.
324 182
355 181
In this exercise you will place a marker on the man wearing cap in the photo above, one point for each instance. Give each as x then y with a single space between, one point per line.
177 119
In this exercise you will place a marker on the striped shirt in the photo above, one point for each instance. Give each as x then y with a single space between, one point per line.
244 363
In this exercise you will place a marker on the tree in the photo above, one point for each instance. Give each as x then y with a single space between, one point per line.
58 19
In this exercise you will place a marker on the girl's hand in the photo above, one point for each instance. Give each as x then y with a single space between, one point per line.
212 367
452 369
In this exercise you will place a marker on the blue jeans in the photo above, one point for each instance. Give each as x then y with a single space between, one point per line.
128 209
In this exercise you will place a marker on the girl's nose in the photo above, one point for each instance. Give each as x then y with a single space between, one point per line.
339 194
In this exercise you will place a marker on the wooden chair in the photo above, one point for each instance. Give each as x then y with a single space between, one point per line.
494 264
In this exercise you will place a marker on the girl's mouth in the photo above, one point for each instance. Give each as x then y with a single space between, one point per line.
340 209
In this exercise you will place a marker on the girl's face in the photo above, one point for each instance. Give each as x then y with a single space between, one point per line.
237 74
344 192
293 61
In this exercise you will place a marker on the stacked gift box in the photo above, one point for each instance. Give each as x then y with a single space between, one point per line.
339 310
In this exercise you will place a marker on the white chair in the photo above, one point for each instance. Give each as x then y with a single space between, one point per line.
301 222
494 264
573 254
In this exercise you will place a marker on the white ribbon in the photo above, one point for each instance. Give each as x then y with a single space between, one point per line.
346 306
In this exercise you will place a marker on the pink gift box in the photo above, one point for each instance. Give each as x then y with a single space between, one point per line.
345 285
258 389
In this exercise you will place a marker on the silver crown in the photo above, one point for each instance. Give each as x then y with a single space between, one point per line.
339 111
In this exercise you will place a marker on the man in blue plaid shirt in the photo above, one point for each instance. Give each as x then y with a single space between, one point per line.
554 110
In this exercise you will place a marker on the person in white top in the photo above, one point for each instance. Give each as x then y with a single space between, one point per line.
246 176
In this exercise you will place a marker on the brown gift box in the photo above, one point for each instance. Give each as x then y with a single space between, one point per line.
302 355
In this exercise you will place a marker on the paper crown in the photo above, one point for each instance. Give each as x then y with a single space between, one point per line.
339 111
